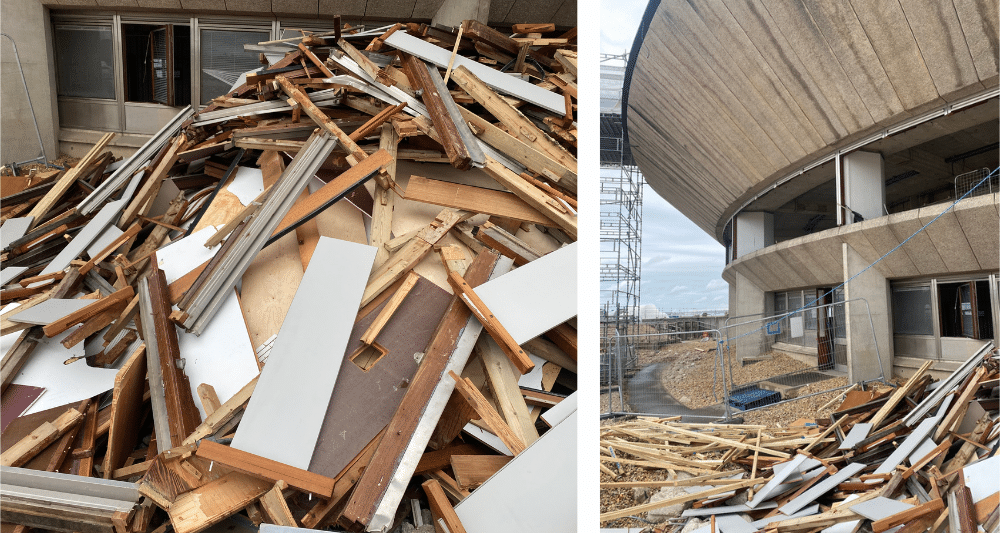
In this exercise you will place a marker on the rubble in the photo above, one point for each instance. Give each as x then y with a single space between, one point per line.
919 457
342 294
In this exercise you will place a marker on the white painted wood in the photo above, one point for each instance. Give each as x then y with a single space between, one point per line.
536 297
538 488
925 447
63 383
906 447
733 524
49 311
560 411
727 509
768 490
247 184
14 229
880 507
504 83
821 488
285 413
533 379
811 510
221 356
487 438
981 477
86 236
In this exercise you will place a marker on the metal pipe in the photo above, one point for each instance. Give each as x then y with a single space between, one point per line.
43 158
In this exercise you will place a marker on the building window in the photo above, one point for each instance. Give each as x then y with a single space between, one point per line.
157 60
223 59
912 313
966 309
85 61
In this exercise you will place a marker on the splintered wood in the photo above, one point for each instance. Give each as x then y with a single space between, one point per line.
919 458
144 297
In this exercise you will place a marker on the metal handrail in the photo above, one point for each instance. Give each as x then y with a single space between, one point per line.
42 158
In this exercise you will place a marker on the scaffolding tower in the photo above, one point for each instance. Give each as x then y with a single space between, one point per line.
621 221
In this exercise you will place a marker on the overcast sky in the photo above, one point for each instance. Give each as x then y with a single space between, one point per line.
681 264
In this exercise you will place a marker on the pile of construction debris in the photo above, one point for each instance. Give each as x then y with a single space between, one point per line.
343 292
921 457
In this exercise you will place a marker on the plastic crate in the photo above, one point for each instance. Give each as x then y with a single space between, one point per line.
750 398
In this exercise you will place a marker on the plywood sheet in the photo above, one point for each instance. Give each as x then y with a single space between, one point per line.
536 297
363 402
268 287
295 387
538 488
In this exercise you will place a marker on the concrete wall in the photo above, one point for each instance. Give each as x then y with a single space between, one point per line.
27 22
867 349
745 298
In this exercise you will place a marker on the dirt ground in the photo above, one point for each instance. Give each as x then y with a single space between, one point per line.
63 161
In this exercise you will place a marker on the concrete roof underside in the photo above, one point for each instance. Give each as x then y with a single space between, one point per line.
502 12
728 96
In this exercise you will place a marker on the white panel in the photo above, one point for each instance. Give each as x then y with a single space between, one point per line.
536 297
103 240
754 231
821 488
180 257
49 311
14 229
87 235
9 273
63 383
285 413
537 488
864 185
560 411
504 83
880 507
247 184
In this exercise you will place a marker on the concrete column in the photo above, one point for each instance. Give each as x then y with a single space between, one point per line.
862 362
27 23
745 298
453 12
861 187
754 230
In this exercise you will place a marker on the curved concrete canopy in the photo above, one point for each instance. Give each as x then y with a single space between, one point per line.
728 96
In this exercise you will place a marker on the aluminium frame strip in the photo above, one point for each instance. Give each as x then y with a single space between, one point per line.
471 141
157 394
55 481
413 106
327 97
114 182
251 239
946 386
386 507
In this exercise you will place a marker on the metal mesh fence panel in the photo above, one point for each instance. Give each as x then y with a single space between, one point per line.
826 346
974 181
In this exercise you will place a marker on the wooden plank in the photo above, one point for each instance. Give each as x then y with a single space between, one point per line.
126 411
371 485
502 377
132 231
393 304
489 415
441 507
438 459
898 396
475 199
491 323
517 124
93 325
384 199
915 513
143 198
315 60
209 398
91 310
533 196
263 467
367 128
40 438
223 415
66 181
449 136
507 244
211 503
356 154
276 508
473 470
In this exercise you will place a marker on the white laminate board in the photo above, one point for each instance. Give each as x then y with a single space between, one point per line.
222 355
981 477
767 491
504 83
247 184
293 391
103 240
49 311
537 488
14 229
560 411
180 257
858 433
533 379
10 273
487 438
822 488
880 507
925 447
727 509
536 297
86 236
730 523
906 447
845 527
811 510
63 383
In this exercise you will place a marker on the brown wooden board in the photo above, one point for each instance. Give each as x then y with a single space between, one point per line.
21 426
364 402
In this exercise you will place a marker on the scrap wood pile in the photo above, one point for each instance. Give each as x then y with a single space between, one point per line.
343 291
921 457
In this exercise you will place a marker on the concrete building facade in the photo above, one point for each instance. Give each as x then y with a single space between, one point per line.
128 66
811 139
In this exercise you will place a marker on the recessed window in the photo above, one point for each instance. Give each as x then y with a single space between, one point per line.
157 60
911 311
85 59
966 309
